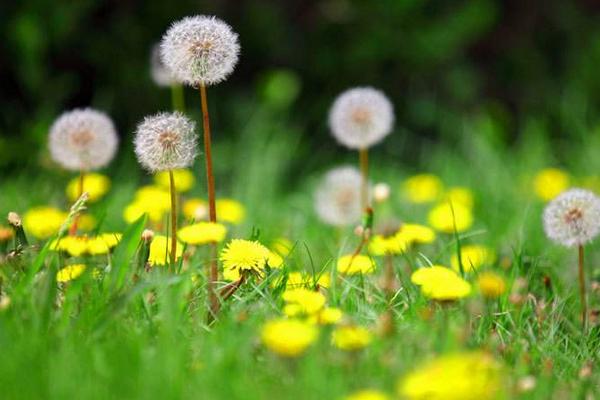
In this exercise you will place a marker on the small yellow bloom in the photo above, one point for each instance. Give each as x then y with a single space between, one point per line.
160 250
550 182
354 265
288 337
440 283
422 188
229 210
202 233
86 222
463 376
184 180
244 255
195 209
302 302
415 233
327 316
96 185
367 394
43 222
297 279
5 234
274 260
473 257
135 210
381 245
445 217
84 245
160 197
491 285
351 337
459 195
70 272
282 246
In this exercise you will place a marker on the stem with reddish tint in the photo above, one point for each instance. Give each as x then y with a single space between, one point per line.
363 155
210 180
173 220
73 230
582 290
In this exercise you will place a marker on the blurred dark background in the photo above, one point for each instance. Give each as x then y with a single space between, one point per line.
514 65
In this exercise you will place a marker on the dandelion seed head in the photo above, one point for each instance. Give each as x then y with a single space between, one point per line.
573 218
160 73
361 117
165 141
200 49
337 198
83 139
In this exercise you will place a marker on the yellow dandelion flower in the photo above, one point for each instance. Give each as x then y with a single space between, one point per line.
327 316
135 210
274 260
195 209
302 301
96 185
184 180
288 337
86 222
43 222
154 194
444 217
367 394
160 250
415 233
282 246
83 245
491 285
297 279
229 210
354 265
202 233
70 272
462 376
473 257
440 283
550 182
381 245
351 337
422 188
244 255
459 195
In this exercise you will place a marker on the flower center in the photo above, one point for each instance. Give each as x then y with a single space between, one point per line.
167 140
573 215
345 198
82 139
201 48
361 116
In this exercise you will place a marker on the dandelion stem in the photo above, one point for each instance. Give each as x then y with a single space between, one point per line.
73 230
173 219
177 98
210 180
363 155
582 290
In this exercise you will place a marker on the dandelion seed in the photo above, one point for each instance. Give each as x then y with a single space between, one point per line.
83 140
337 198
165 141
200 50
573 218
361 117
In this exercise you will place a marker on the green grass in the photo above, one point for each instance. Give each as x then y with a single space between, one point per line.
109 340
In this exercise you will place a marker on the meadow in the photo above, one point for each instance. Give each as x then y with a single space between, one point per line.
322 302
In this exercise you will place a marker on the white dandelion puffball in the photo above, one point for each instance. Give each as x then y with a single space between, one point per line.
165 141
161 75
200 50
361 117
573 218
83 140
337 198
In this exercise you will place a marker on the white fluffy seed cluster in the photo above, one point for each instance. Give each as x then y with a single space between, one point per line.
161 75
361 117
83 140
165 141
200 49
337 198
573 218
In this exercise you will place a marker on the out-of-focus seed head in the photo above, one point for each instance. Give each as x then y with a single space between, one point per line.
381 192
337 198
160 73
165 141
361 117
573 218
200 50
147 235
83 139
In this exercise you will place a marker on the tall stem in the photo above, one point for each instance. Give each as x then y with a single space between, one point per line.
582 290
363 155
73 230
212 211
177 98
173 219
